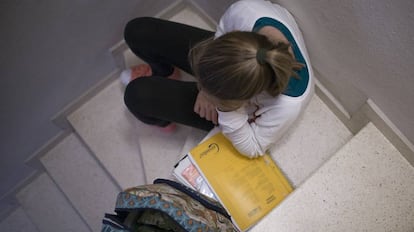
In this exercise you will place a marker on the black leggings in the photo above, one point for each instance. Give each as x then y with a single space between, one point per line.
157 100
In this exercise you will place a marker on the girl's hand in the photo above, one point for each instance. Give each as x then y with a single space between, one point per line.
205 108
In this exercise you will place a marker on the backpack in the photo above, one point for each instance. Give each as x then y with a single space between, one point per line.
164 206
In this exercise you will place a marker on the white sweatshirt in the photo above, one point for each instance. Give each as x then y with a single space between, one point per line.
274 115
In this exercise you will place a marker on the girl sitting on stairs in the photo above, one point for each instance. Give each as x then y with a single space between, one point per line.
253 74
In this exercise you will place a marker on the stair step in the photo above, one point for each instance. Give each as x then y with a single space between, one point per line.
110 131
160 151
18 221
366 186
82 179
191 16
316 136
193 138
48 208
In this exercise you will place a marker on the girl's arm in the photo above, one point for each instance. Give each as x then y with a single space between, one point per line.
253 139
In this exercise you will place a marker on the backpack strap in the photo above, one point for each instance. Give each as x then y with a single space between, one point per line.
108 224
195 195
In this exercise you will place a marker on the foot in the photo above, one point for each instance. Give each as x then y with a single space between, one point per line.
170 128
176 75
143 70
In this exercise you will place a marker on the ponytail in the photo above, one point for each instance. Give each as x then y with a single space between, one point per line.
281 64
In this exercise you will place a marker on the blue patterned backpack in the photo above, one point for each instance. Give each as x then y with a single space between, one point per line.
166 206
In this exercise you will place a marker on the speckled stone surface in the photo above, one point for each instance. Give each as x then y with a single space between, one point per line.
366 186
190 17
108 129
314 138
48 208
160 151
194 137
82 179
18 221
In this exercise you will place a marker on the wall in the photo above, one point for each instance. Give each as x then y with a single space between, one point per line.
51 52
363 49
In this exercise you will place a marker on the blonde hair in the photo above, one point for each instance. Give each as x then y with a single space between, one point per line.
239 65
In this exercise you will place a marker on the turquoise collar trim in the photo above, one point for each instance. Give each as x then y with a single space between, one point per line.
296 86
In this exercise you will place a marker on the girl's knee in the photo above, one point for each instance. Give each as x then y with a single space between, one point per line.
137 94
133 94
138 27
140 22
138 99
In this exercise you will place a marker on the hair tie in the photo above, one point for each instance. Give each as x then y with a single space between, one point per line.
261 56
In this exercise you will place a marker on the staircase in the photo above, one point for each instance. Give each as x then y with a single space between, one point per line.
343 182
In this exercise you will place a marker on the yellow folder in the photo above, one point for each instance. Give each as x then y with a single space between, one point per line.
247 188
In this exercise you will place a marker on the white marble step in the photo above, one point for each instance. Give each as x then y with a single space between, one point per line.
193 17
366 186
18 221
110 131
82 179
194 137
315 137
48 208
160 151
